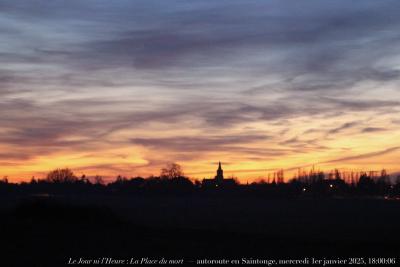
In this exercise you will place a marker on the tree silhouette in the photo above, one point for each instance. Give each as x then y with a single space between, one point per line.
98 180
172 171
61 176
4 180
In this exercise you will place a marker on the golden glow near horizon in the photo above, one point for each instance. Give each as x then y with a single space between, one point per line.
307 142
125 88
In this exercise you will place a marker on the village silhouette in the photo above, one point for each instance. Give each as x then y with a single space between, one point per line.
172 180
64 218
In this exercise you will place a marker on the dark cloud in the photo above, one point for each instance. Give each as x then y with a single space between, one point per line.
22 155
294 140
317 38
345 126
303 146
364 156
320 46
195 144
117 168
359 105
373 129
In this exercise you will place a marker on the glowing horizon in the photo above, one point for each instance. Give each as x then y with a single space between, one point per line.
123 88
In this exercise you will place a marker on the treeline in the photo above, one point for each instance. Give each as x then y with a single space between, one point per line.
64 181
173 181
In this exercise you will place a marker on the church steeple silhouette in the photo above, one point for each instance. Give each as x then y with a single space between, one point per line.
219 181
220 173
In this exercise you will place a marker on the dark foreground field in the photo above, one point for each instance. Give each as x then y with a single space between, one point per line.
47 231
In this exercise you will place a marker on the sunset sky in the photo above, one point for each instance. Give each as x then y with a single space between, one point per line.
124 87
